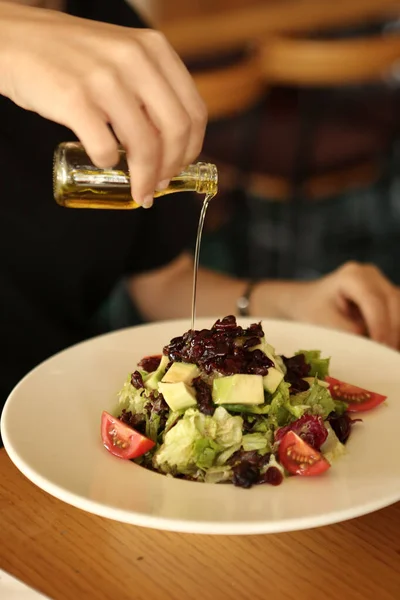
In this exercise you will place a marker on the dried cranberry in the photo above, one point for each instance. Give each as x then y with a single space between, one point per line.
203 396
137 380
258 363
215 349
251 342
226 323
255 330
150 363
245 475
273 476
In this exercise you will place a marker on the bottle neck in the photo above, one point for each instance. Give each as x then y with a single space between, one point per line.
200 177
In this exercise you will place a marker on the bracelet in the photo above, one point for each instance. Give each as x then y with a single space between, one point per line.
243 302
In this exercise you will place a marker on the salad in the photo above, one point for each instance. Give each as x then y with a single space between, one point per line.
220 405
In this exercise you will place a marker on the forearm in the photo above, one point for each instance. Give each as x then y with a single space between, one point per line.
167 293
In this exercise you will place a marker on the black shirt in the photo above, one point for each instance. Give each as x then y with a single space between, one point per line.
58 265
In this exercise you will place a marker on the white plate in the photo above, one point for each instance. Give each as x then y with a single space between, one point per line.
51 430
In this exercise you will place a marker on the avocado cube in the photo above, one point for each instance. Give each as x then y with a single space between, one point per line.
152 380
238 389
178 396
272 379
180 371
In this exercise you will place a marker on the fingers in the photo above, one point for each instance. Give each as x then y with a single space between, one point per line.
375 298
336 319
88 122
155 111
138 136
185 91
169 117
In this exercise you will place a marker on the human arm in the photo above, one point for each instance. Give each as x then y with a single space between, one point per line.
355 298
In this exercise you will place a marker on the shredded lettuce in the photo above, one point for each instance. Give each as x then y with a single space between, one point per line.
280 408
319 367
131 399
172 420
198 441
332 448
205 451
256 441
226 454
177 452
218 474
229 429
152 426
317 401
340 407
262 425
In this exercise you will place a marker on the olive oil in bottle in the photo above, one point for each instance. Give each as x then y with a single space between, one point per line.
78 183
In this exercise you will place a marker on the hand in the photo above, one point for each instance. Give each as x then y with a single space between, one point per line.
355 298
89 76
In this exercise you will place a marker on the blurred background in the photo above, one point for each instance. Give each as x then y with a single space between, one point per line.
303 100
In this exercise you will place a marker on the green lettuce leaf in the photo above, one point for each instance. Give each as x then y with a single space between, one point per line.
131 399
229 428
178 450
218 474
332 448
340 407
262 425
281 410
205 451
152 426
256 441
317 401
319 366
226 454
197 441
172 420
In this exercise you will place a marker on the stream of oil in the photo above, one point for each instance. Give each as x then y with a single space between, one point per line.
206 202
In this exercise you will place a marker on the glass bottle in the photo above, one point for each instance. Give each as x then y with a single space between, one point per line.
78 183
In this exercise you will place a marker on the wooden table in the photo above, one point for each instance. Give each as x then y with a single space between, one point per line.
71 555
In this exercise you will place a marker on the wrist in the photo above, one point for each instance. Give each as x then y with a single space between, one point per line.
243 302
276 299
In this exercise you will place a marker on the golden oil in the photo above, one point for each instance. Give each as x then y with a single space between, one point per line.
77 183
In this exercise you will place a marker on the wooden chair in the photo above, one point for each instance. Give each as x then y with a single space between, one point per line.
305 62
208 33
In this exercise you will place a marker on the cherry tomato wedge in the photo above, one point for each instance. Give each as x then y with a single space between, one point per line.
357 398
121 440
297 457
